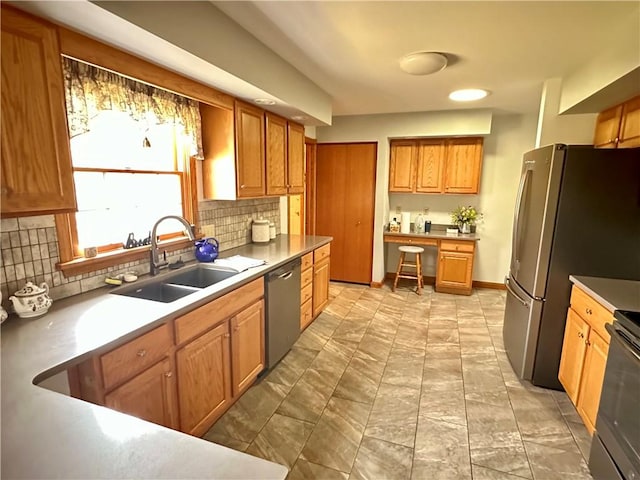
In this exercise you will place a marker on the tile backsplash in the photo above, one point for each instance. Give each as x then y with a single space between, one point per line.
29 247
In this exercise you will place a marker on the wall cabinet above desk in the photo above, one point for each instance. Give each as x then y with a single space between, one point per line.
436 165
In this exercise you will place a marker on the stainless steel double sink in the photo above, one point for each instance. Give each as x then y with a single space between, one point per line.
171 287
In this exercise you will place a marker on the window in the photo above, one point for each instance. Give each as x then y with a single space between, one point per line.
131 148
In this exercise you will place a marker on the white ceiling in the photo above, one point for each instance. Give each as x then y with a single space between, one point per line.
351 49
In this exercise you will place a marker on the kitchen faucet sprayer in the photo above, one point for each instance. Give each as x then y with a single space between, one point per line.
155 263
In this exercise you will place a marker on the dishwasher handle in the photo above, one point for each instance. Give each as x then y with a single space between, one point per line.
286 275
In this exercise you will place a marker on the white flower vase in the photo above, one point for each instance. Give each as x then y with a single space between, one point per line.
465 228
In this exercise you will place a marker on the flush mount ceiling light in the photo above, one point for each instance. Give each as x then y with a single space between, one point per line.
468 94
264 101
423 63
298 117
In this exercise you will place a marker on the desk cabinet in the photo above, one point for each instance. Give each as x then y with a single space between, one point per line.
455 267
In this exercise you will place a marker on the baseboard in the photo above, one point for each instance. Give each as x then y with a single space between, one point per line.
376 284
428 280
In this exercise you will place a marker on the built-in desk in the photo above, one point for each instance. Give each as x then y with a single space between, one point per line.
454 264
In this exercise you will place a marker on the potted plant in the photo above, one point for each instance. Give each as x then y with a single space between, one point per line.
464 217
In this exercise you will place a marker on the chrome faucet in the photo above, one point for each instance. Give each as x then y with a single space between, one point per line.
155 262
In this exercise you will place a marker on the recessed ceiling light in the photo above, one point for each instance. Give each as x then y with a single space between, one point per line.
468 94
264 101
423 63
298 117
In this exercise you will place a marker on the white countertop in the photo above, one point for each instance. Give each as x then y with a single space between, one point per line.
611 293
49 435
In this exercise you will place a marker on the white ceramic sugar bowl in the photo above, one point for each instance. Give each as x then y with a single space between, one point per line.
31 300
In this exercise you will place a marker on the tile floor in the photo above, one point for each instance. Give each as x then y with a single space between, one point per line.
398 386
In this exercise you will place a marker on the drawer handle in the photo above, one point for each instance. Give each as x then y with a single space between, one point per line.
589 311
168 374
141 353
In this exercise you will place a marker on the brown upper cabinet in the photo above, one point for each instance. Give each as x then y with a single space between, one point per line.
295 163
285 156
619 126
36 159
250 151
436 165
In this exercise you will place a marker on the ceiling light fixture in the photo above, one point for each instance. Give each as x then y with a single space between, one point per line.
264 101
423 63
468 94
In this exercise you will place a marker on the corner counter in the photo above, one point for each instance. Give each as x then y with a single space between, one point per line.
611 293
49 435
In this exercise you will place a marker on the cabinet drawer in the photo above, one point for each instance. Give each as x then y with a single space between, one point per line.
201 319
307 261
125 361
306 277
321 253
591 311
306 314
457 246
306 293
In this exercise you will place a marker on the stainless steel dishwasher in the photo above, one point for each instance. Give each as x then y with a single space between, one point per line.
283 310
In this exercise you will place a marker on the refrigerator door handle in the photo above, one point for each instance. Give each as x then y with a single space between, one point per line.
513 292
515 236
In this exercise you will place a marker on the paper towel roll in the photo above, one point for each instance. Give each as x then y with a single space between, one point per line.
405 222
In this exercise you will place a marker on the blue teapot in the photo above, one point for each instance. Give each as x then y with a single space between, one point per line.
207 249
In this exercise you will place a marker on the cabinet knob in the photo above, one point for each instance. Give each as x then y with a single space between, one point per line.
589 311
141 353
4 190
168 374
580 335
358 222
226 335
242 186
587 343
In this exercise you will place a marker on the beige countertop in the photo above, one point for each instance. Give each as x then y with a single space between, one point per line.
613 294
49 435
438 234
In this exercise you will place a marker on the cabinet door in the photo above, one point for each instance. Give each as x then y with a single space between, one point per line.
463 165
607 128
250 160
320 286
591 381
455 270
630 125
431 157
295 164
402 170
574 349
150 396
247 346
36 158
204 379
276 151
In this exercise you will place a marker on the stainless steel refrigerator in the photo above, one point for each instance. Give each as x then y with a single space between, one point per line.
577 212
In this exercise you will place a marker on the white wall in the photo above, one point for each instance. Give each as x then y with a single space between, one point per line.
510 136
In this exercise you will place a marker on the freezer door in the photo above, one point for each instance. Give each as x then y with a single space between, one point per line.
534 217
520 329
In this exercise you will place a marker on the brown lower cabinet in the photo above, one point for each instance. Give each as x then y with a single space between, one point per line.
217 350
455 267
321 276
584 354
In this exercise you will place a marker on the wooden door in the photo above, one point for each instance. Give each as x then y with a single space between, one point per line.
402 167
591 381
463 165
431 156
455 270
295 162
574 350
630 125
250 156
150 396
204 379
247 346
345 204
296 215
321 276
36 172
276 154
608 127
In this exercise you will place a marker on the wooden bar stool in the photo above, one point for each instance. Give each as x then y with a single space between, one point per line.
417 265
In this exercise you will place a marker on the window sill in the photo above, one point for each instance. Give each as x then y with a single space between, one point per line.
82 265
